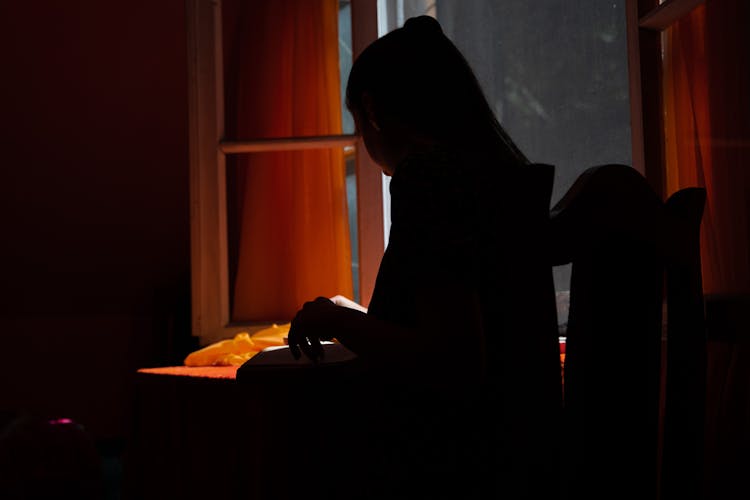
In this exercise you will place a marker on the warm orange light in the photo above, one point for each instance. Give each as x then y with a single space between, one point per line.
237 350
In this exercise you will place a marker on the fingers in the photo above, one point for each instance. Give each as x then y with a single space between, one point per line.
302 340
316 348
307 348
293 338
319 301
310 347
305 331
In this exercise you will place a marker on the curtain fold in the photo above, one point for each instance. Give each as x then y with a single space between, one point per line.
707 129
293 235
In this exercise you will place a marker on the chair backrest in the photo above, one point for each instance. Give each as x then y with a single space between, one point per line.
623 243
684 417
522 337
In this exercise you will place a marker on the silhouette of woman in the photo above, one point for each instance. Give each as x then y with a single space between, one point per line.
426 122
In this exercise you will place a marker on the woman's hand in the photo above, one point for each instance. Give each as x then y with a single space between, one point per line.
313 323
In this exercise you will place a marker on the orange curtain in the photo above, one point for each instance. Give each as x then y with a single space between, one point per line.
293 238
707 132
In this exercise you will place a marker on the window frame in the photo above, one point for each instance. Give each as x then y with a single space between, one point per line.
646 20
208 147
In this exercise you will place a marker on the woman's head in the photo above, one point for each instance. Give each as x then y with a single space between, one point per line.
414 85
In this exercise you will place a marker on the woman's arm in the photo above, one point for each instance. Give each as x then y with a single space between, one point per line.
363 334
448 327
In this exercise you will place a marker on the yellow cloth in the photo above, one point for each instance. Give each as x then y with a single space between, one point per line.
237 350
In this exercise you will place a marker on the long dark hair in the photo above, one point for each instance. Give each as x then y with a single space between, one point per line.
418 78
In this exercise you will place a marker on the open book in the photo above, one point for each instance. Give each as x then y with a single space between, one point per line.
281 356
340 300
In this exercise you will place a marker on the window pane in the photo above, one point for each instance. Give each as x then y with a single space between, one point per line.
289 231
285 69
555 72
351 203
345 61
347 122
284 76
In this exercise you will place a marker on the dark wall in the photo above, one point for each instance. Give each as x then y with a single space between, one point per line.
94 203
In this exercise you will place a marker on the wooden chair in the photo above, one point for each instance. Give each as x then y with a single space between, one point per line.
633 416
522 337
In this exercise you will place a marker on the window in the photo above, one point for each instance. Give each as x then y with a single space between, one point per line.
212 155
556 74
555 71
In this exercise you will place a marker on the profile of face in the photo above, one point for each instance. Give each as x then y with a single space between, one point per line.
374 139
